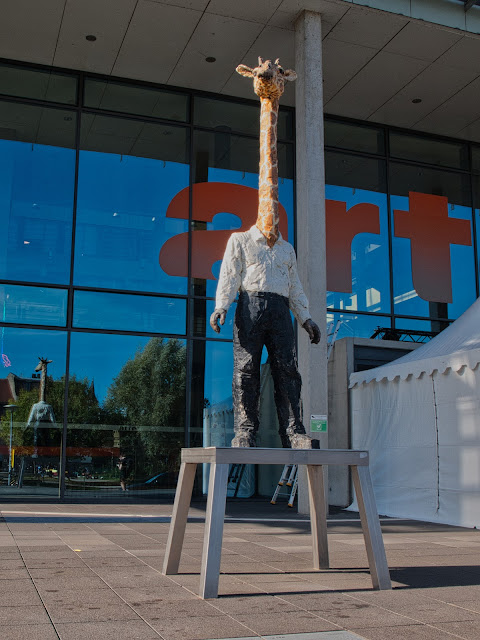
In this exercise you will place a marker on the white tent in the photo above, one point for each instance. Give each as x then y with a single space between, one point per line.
419 417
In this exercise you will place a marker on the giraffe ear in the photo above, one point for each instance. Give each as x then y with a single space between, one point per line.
290 75
243 70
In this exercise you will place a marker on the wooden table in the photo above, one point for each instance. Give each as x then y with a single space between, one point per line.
220 458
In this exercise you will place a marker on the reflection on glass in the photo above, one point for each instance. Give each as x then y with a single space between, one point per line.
126 414
212 404
118 311
352 136
356 325
430 327
36 195
144 101
368 283
462 267
228 116
420 149
33 305
41 84
202 310
121 221
33 425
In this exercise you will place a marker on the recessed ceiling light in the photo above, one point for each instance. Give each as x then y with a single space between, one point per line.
416 100
91 38
210 59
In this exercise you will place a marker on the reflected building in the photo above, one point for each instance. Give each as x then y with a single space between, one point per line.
121 181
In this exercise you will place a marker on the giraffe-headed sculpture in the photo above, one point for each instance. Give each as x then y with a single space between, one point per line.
268 83
41 411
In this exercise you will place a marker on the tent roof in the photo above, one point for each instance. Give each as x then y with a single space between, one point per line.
455 347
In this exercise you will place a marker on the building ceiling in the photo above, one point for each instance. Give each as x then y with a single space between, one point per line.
375 63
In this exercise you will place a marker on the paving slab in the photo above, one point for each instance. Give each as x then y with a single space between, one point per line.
94 571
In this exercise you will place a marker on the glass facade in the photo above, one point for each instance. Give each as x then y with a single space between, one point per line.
116 202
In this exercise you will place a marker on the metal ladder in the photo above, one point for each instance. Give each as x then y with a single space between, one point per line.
332 330
235 476
289 478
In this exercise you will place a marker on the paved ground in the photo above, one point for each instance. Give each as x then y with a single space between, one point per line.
81 572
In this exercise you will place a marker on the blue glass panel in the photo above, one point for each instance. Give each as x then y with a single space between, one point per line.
369 256
35 433
33 305
118 311
121 222
36 195
406 299
356 325
127 408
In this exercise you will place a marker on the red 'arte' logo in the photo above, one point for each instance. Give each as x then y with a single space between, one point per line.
426 224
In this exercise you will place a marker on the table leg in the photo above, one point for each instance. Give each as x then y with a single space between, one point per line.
318 515
372 532
176 533
212 542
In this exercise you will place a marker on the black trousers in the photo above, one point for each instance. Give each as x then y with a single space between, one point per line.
264 319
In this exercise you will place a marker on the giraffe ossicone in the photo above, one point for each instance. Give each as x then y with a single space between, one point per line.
269 80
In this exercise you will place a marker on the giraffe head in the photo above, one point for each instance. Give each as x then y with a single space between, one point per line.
268 78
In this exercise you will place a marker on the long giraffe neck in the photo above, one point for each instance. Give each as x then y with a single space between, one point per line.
43 377
267 218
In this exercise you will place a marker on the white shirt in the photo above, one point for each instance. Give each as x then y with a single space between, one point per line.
249 264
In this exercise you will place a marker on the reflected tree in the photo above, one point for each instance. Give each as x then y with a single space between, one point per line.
149 392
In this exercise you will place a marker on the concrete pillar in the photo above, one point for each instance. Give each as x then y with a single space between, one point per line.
311 245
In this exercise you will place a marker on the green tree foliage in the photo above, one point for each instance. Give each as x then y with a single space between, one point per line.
149 392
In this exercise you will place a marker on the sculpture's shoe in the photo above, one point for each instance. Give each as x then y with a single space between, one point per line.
300 441
243 440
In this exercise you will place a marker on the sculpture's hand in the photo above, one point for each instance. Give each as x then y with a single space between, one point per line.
218 315
313 331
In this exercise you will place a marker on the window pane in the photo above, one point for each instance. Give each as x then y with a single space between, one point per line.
36 193
445 154
36 429
357 325
121 209
33 305
127 407
476 159
354 137
433 262
39 84
138 100
93 310
358 275
405 178
229 116
219 159
344 170
428 326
